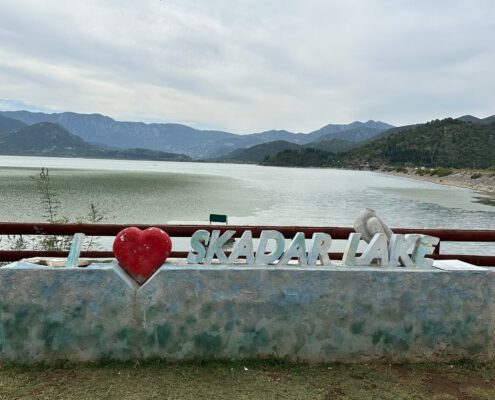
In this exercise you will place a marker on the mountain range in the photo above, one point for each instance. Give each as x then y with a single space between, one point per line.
48 139
176 138
8 124
464 142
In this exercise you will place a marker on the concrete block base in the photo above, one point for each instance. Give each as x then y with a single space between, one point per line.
203 312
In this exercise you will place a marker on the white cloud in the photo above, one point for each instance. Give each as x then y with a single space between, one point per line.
248 66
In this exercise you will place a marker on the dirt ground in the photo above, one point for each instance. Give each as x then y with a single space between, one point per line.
248 380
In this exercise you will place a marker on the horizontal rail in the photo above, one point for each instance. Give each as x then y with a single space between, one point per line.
31 228
10 255
8 228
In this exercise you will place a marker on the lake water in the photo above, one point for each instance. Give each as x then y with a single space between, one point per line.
172 192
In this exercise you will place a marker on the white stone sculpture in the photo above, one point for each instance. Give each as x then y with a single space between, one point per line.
368 224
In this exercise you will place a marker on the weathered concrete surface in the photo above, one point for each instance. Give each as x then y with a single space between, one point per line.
78 314
195 311
317 314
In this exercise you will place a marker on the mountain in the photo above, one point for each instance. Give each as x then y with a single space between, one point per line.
47 139
259 152
354 132
475 120
44 139
440 143
334 145
304 157
96 128
177 138
9 124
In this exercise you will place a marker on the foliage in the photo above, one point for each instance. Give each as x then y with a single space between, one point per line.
50 202
476 175
447 143
441 172
308 157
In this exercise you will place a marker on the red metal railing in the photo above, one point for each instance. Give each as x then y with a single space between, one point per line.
445 235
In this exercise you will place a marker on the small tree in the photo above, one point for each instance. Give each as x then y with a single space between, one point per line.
51 205
50 202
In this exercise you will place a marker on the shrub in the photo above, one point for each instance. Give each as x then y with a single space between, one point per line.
50 202
476 175
441 172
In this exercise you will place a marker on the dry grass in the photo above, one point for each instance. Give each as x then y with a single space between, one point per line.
248 380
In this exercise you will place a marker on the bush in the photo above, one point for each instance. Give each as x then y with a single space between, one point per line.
476 175
441 172
50 203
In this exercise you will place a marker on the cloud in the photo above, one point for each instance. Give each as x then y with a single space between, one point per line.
252 65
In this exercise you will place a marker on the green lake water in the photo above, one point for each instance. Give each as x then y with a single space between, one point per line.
173 192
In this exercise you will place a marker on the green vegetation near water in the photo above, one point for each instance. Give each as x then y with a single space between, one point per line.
260 152
248 380
447 143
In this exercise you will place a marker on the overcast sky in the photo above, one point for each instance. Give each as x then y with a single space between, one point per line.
247 66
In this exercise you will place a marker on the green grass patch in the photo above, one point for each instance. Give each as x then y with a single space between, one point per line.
220 380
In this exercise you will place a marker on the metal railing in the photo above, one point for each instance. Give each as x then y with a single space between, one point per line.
445 235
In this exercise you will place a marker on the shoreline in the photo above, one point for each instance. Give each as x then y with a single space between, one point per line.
460 179
484 183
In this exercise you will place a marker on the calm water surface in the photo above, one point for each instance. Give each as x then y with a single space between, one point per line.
161 192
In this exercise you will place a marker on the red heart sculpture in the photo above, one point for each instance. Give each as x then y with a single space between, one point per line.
141 253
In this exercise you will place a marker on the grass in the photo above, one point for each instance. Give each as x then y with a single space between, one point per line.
248 380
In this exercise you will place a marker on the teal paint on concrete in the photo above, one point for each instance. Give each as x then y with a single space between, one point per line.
49 314
298 313
357 327
323 314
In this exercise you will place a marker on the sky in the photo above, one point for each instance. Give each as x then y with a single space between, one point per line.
250 65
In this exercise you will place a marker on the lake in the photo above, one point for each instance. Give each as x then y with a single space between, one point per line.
173 192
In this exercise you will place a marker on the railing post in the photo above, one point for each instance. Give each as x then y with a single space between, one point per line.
75 251
437 248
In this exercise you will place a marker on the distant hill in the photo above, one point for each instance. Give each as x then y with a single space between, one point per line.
475 120
445 143
260 152
355 132
442 143
177 138
304 157
47 139
8 124
334 145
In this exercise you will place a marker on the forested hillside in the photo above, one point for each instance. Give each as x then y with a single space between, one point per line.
440 143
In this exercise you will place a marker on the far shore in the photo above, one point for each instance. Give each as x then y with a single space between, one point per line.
477 181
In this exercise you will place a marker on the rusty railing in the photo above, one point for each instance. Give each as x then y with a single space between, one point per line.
445 235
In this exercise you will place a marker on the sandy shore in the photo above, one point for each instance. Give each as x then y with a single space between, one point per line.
485 183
